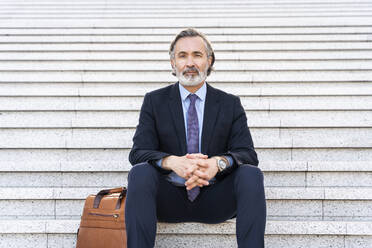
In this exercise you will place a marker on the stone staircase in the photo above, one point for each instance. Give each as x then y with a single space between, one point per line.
73 75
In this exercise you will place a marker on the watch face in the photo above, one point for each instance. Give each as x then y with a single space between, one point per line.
222 164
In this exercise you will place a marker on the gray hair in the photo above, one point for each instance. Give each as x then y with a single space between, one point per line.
191 32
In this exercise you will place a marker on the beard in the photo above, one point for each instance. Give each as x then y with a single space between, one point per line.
191 79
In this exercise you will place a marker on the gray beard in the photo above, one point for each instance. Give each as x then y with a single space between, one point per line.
191 80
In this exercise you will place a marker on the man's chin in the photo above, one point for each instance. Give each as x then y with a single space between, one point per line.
189 83
191 80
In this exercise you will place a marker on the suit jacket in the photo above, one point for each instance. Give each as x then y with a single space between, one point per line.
161 129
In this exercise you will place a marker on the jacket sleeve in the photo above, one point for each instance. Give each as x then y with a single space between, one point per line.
240 143
145 140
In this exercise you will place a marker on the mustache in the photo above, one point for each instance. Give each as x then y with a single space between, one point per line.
191 69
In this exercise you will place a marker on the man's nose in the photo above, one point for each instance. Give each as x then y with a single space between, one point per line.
190 62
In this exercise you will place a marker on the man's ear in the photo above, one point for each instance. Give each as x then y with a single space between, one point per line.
173 67
210 61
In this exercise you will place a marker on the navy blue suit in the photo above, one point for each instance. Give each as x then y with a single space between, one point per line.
161 132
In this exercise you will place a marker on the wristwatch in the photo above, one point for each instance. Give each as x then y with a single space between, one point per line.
221 163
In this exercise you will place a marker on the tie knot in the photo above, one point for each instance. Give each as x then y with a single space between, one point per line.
192 98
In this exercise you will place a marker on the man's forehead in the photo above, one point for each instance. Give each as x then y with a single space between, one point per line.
190 44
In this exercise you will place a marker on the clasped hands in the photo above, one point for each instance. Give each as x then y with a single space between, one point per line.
196 168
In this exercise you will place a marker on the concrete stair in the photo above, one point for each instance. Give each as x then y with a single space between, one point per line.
61 233
284 203
72 79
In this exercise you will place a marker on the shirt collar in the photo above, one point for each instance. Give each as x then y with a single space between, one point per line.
201 93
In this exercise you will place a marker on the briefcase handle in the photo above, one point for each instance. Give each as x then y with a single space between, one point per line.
102 193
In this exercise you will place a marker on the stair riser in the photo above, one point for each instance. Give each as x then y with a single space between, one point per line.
201 241
276 209
122 138
116 179
19 156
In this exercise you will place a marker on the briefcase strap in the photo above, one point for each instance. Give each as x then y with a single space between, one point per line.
102 193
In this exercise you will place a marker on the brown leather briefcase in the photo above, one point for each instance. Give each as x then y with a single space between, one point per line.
102 223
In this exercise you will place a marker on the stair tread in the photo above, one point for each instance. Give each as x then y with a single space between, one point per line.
125 166
272 193
228 227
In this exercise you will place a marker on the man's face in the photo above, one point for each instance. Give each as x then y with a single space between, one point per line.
191 61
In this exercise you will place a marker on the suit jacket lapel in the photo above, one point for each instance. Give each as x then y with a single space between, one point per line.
211 109
175 106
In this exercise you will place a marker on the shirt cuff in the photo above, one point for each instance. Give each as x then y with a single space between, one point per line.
231 161
158 162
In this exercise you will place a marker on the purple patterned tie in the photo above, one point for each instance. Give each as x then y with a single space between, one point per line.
192 138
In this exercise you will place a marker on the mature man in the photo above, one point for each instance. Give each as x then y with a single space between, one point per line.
193 155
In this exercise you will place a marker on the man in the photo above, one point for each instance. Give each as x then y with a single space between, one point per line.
193 155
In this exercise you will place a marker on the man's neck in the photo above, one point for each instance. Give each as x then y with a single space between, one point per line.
193 89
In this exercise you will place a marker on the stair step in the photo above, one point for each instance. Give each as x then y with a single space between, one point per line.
23 164
159 66
283 203
228 227
272 193
168 2
171 3
134 103
174 8
121 138
120 15
126 119
104 155
299 234
226 31
332 210
116 179
143 56
215 39
163 47
163 77
140 89
192 22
